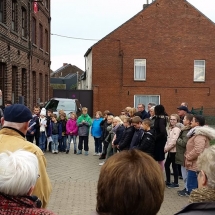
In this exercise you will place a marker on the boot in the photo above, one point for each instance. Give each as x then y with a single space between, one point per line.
75 151
67 151
86 153
79 152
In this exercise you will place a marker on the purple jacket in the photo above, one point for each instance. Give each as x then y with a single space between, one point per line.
71 126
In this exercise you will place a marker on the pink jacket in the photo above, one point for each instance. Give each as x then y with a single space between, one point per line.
173 135
71 126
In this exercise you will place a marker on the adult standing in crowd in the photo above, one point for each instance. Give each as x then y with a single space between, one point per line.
18 176
199 139
144 114
182 111
152 116
36 116
160 134
149 107
202 199
12 137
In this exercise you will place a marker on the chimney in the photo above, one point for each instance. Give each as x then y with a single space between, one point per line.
64 64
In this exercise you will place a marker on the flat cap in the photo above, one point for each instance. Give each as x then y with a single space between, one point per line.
183 108
17 113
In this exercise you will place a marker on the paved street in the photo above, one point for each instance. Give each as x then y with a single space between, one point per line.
74 179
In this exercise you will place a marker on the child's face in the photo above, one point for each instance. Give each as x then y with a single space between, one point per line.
62 117
186 122
109 120
36 111
173 120
53 119
137 125
84 112
145 126
125 123
115 122
49 113
72 116
97 116
42 116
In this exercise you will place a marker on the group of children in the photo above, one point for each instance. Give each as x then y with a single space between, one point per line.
56 133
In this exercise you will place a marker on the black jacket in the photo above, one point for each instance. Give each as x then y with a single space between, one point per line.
147 143
126 138
104 126
202 208
119 133
144 115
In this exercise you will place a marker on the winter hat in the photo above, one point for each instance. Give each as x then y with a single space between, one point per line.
17 113
43 112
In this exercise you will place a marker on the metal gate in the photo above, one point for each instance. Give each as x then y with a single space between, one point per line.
84 96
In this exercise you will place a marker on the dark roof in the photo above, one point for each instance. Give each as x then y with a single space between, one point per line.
144 8
66 66
61 68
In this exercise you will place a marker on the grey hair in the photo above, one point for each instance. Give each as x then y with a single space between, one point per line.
16 125
152 108
206 162
18 172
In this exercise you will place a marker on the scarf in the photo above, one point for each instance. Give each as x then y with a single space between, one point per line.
192 132
202 195
115 128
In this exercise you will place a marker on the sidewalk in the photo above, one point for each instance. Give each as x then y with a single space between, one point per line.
74 180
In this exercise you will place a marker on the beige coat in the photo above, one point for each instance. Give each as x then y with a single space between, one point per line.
173 134
197 144
11 140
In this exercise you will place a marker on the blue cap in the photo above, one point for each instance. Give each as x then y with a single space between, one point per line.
17 113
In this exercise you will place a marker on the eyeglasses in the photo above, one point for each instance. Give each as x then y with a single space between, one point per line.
172 119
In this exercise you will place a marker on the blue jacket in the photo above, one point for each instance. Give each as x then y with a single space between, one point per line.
96 130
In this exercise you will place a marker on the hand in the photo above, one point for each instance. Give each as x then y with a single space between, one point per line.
32 132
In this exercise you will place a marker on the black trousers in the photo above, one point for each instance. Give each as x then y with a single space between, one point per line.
85 140
30 138
105 146
171 160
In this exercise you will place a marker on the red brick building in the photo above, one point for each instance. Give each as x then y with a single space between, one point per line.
164 54
25 50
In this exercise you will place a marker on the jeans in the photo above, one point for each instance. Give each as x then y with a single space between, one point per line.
42 140
98 145
70 138
192 182
171 160
184 176
84 139
62 144
55 142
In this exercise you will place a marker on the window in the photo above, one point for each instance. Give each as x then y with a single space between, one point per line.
41 36
24 84
41 87
47 41
14 15
24 22
34 28
46 87
140 69
15 85
2 11
145 99
199 70
34 87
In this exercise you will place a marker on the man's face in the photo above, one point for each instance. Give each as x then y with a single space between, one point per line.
140 108
137 125
36 111
149 106
181 113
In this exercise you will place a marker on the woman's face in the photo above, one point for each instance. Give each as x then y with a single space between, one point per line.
152 112
115 122
194 123
173 120
72 116
186 122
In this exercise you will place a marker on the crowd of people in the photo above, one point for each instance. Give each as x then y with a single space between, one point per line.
137 146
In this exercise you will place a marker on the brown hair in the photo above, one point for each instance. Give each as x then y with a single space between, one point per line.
106 112
36 106
74 114
132 111
136 183
189 117
136 119
176 116
147 122
54 115
99 113
128 120
122 117
50 110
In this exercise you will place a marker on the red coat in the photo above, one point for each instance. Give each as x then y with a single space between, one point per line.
20 206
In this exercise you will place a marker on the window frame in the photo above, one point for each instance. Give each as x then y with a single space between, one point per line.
34 31
24 22
14 15
196 80
41 35
46 40
148 95
2 2
137 79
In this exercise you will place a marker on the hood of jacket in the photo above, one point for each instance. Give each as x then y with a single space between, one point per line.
206 131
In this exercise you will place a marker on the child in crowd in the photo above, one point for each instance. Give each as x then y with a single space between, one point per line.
48 129
147 142
127 136
136 122
84 123
43 125
62 141
96 132
31 131
72 132
36 116
56 131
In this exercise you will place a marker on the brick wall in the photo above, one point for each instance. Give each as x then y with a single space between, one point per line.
170 35
18 52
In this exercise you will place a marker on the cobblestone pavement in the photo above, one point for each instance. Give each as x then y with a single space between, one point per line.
74 180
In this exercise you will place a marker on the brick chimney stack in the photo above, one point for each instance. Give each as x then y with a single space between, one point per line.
64 64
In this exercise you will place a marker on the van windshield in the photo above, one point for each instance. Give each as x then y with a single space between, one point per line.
56 105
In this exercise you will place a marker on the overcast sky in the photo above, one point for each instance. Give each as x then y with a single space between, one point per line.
94 19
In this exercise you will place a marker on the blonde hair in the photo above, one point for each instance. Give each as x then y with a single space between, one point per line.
74 114
116 118
84 108
99 113
132 111
122 117
206 162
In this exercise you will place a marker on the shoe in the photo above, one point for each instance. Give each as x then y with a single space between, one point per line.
98 154
75 152
187 193
86 153
173 185
53 151
102 163
182 192
180 177
102 157
79 152
95 154
168 183
67 151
